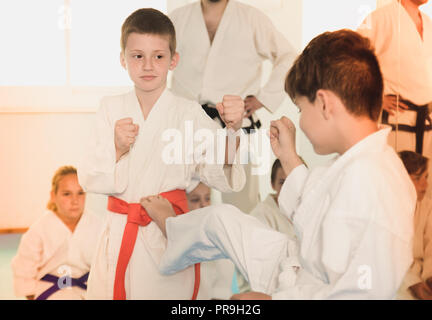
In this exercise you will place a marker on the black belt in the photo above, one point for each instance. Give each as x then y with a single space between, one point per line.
214 114
420 126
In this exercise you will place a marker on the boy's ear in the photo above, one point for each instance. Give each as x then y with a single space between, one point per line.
323 101
122 60
174 60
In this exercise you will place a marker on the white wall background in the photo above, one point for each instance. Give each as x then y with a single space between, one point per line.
42 128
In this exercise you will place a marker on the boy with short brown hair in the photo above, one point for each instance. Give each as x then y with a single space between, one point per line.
353 217
129 161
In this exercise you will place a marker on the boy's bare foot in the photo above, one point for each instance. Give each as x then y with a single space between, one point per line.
159 209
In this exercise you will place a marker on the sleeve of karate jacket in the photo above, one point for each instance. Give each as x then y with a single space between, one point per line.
272 45
291 191
98 171
26 263
375 27
214 173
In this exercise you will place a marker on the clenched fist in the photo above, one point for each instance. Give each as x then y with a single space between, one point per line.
125 132
231 111
282 140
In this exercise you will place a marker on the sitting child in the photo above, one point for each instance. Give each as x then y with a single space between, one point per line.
54 255
417 283
268 212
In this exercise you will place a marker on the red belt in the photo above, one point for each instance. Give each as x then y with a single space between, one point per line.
137 216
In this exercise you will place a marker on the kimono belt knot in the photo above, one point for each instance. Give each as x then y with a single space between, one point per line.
137 216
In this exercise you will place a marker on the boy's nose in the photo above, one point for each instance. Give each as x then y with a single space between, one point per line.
147 64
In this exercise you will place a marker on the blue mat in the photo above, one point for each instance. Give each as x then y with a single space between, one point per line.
8 248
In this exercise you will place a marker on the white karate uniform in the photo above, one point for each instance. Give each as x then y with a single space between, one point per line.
268 213
410 77
353 220
421 269
406 64
231 64
49 247
217 276
143 171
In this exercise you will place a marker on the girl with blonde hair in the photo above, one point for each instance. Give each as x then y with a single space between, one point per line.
54 255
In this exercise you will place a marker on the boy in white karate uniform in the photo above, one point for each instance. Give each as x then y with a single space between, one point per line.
353 218
54 255
139 152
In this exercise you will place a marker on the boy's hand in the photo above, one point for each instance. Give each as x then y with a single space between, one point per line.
125 132
252 104
282 140
159 209
231 111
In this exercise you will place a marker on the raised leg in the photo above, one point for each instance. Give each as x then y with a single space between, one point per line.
223 231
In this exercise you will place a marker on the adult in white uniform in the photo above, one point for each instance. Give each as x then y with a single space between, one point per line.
222 45
54 255
353 218
417 283
146 145
402 37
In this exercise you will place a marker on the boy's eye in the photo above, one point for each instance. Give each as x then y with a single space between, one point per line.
137 56
159 56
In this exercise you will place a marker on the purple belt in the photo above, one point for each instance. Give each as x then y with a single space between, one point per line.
80 282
